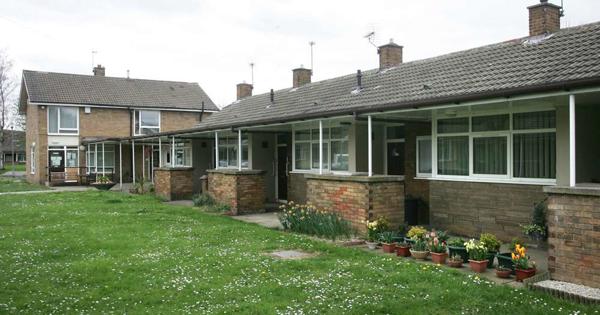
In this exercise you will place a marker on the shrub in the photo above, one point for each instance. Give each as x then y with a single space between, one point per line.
308 219
490 241
203 200
420 245
221 207
477 251
416 232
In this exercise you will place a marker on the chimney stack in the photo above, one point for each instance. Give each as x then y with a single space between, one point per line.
99 70
390 55
544 18
244 90
301 76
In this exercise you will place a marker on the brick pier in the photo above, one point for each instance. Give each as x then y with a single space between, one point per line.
174 183
243 191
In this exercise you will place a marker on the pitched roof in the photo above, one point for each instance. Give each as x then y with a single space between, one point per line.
567 58
64 88
19 140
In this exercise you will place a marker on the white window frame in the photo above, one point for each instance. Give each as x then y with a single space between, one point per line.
417 143
508 178
224 143
186 148
32 163
59 129
97 150
137 115
326 141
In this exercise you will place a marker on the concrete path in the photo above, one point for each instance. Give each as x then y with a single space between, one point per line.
19 174
51 190
268 219
185 203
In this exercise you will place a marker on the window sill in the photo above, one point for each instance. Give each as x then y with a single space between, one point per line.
491 180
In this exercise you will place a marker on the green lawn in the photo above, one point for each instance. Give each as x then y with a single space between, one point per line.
8 168
9 184
105 252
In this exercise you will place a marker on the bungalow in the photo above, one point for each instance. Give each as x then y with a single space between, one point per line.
478 135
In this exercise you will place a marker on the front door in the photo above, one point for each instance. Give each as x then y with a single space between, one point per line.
395 158
282 172
56 160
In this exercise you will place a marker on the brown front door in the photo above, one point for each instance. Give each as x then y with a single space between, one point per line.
282 172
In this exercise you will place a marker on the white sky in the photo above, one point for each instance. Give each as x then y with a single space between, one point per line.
212 42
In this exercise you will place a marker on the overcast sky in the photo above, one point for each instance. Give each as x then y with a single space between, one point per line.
212 42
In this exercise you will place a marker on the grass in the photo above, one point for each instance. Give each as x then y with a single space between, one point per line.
105 252
9 184
8 168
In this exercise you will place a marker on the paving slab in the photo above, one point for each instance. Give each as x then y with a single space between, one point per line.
291 254
267 219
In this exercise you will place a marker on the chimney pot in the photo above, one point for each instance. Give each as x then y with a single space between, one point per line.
544 18
301 76
99 70
244 90
390 55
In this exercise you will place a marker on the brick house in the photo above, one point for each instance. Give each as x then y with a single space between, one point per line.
14 147
478 136
65 110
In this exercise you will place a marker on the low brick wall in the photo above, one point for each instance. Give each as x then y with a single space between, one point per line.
243 191
358 198
174 183
574 235
297 188
469 208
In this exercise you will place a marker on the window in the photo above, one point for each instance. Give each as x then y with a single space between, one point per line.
423 156
183 154
335 149
147 122
63 120
394 148
488 146
94 160
228 151
72 157
32 162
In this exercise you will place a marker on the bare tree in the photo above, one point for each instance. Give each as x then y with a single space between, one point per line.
7 87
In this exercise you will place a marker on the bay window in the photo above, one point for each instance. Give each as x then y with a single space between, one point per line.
147 122
335 149
63 120
228 151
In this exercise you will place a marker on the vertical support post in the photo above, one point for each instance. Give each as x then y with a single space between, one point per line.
173 151
133 160
143 161
320 145
159 152
434 164
572 168
239 149
370 143
89 160
216 149
120 165
96 156
103 162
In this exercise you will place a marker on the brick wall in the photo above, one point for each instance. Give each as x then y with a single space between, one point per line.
36 132
104 122
173 183
574 235
468 208
170 120
297 188
357 198
543 18
243 191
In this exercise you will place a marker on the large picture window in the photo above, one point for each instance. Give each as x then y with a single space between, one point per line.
511 145
147 122
63 120
335 149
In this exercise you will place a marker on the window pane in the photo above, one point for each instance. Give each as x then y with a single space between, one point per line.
149 131
315 134
110 159
453 125
232 156
68 117
245 156
339 133
302 156
150 118
72 158
315 155
536 120
339 155
302 135
453 155
491 123
424 156
395 158
534 155
52 119
395 132
489 155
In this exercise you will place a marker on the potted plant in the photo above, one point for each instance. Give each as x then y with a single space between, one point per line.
387 240
372 234
456 246
505 258
414 233
420 248
403 249
503 272
477 255
103 183
402 229
438 249
537 230
524 267
455 261
491 242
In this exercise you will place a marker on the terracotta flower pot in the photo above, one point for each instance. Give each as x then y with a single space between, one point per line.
421 255
455 263
439 258
371 245
478 266
524 273
389 247
403 251
503 273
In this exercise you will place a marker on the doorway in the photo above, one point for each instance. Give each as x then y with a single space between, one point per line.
395 158
56 160
282 172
